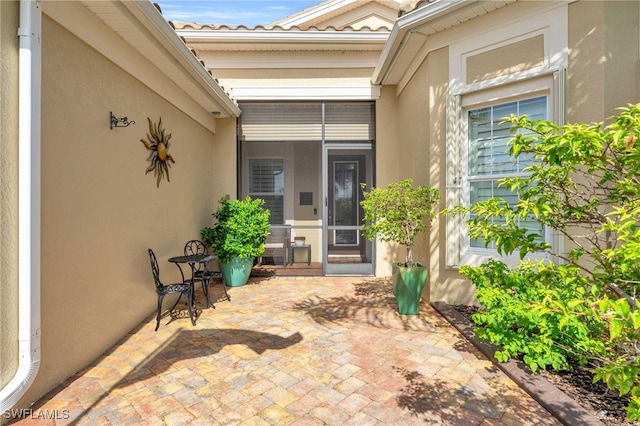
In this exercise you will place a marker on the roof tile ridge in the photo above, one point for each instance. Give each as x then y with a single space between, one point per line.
180 25
350 28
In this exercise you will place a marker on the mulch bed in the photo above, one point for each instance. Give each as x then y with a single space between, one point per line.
578 385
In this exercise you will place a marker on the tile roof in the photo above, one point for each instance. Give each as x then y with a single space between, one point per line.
181 25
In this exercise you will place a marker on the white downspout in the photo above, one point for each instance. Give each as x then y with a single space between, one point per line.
29 94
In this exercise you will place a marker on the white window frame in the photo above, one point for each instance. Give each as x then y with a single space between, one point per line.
519 23
261 194
459 251
478 255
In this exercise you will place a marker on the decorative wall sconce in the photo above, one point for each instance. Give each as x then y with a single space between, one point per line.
118 122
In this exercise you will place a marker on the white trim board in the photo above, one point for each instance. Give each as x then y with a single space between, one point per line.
306 93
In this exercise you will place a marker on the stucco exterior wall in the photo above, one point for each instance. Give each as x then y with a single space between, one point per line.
421 118
9 12
224 164
604 68
515 57
445 284
388 154
100 212
413 136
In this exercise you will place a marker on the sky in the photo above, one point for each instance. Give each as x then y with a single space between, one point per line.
232 12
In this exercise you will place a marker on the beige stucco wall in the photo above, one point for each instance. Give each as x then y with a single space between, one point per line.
413 121
603 72
387 165
100 212
511 58
223 166
420 118
9 11
446 284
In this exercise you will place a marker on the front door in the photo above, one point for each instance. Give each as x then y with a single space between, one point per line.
346 251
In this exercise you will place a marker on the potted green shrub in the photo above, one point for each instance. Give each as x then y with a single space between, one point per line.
399 214
238 237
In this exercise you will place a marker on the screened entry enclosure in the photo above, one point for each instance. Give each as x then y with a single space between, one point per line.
307 160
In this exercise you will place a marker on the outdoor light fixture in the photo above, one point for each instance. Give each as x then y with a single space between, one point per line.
118 122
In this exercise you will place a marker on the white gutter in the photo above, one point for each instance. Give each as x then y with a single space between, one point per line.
30 31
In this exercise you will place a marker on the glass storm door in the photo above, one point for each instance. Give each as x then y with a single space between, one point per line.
346 251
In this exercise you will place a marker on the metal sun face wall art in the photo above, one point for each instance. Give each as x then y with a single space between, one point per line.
158 144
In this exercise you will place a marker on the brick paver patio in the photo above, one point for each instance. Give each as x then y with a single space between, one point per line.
294 351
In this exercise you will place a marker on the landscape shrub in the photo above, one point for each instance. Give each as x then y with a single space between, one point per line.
580 301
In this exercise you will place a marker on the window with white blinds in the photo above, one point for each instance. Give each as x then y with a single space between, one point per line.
266 181
488 154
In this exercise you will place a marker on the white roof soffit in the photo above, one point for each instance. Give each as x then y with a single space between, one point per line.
151 35
410 33
206 38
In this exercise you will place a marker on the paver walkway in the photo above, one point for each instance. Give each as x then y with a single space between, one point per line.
299 351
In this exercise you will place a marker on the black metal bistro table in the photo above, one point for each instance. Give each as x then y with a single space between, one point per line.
192 260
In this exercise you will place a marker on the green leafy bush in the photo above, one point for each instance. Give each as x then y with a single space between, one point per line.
241 229
584 186
398 213
536 312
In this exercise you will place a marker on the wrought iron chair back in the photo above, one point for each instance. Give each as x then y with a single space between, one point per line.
200 272
156 271
184 289
196 247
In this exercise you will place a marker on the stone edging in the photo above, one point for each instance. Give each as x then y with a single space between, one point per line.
565 409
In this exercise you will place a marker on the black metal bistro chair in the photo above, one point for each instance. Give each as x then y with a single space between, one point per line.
200 272
164 289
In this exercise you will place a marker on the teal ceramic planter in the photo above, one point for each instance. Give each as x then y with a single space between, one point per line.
408 286
236 272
